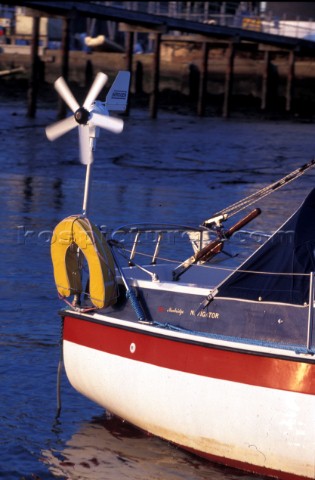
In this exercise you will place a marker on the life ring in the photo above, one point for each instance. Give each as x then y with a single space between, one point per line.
77 233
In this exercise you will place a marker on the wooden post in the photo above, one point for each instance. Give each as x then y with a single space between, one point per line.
65 41
290 81
130 43
203 81
265 80
33 83
228 80
156 77
133 29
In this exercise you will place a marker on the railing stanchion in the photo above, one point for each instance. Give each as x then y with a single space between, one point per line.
310 313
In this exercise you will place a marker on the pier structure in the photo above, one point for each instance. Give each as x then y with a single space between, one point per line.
162 28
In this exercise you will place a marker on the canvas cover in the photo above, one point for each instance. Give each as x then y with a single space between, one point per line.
284 262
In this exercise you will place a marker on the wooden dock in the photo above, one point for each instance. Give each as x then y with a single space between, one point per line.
231 41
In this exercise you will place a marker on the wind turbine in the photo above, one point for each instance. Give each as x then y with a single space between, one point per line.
90 117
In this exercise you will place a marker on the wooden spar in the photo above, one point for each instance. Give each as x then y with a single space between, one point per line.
228 79
65 41
156 76
203 81
33 83
214 247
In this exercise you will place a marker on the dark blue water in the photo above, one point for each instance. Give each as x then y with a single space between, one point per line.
177 169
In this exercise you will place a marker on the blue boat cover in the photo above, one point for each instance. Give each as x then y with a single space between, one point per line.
283 263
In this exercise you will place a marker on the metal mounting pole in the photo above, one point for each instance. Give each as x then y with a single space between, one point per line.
88 178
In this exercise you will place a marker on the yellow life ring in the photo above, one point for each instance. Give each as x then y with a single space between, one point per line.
77 232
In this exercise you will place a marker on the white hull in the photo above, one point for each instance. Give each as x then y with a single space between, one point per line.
267 430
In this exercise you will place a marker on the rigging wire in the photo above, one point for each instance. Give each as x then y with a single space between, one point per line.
254 197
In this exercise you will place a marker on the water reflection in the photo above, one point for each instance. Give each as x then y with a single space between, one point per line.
109 448
31 194
57 193
28 189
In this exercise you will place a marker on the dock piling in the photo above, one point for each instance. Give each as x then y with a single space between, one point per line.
156 76
129 47
65 42
290 81
230 53
34 78
203 80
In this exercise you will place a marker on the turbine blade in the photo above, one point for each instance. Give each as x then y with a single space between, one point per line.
66 94
112 124
95 89
58 129
84 140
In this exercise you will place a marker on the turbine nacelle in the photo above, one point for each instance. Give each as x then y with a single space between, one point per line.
82 116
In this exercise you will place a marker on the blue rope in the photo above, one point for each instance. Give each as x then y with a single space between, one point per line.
135 304
299 349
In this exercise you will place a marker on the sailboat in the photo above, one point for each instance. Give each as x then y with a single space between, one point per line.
217 361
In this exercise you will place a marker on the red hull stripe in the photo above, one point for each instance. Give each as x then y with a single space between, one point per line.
208 361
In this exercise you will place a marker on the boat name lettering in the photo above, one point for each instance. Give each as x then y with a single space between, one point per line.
178 311
204 314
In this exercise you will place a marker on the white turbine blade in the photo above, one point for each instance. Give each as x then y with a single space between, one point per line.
66 94
112 124
60 128
84 140
97 86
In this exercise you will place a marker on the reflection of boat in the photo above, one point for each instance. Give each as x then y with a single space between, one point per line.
219 362
108 448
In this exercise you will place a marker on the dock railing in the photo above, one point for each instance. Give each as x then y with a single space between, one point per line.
227 14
